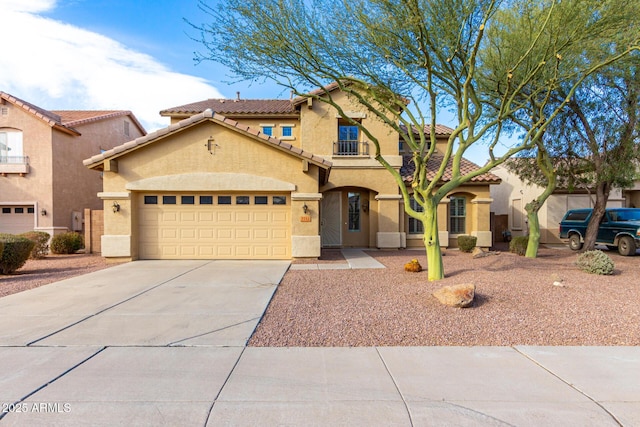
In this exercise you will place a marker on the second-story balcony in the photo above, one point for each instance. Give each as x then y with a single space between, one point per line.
14 164
351 148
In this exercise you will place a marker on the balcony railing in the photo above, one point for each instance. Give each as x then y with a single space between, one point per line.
14 164
350 148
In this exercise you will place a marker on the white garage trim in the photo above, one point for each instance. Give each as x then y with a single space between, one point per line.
210 182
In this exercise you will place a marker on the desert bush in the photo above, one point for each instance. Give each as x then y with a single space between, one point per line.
1 248
467 243
15 253
518 245
595 262
413 266
41 240
66 243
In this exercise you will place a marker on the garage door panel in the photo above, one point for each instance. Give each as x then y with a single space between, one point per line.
214 231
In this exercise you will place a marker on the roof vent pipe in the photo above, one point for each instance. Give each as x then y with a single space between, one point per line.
238 96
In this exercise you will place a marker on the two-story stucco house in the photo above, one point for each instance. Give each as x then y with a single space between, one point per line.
43 184
266 179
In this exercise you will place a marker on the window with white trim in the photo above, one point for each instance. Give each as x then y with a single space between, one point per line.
457 215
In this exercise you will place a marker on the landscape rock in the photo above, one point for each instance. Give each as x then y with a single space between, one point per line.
460 296
478 252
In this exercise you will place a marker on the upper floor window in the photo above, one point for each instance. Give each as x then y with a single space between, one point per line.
287 131
347 131
457 215
11 146
267 129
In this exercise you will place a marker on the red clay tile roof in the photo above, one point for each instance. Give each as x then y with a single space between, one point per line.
197 118
71 118
234 106
67 119
408 168
441 130
48 116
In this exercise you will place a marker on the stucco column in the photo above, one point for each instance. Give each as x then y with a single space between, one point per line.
305 226
389 235
481 221
116 240
443 222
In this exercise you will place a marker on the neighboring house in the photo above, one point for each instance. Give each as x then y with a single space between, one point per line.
43 183
266 179
512 195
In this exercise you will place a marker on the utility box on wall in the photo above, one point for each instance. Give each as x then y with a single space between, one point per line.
76 221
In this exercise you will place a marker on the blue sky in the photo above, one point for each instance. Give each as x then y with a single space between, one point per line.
111 54
117 54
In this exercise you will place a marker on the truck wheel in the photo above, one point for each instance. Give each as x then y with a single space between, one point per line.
626 246
574 242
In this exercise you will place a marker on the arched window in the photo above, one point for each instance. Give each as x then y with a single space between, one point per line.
457 215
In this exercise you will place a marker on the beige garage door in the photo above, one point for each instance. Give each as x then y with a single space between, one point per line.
214 226
16 219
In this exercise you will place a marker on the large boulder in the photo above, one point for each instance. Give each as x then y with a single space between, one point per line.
456 296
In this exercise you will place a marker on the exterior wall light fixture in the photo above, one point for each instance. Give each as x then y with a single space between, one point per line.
115 207
305 208
43 212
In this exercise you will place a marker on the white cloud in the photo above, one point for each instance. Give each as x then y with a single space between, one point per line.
59 66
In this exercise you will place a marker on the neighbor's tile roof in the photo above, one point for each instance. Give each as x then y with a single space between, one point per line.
207 115
433 164
234 106
441 130
68 119
48 116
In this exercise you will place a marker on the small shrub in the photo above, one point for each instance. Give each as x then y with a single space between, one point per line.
41 240
1 248
66 243
595 262
467 243
518 245
413 266
16 252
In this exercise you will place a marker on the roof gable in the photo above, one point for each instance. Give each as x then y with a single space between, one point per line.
207 115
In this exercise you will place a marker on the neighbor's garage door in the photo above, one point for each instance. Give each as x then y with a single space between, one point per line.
16 219
214 226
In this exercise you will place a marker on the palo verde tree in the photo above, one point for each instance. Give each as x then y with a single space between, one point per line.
553 159
404 61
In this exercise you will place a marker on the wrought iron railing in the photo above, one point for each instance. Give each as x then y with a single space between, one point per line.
350 148
14 160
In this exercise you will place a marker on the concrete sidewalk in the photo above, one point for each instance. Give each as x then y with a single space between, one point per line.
354 259
155 343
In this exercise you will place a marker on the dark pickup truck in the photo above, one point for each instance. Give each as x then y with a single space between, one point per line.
619 228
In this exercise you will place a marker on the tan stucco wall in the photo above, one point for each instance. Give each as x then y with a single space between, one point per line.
320 127
186 153
75 187
35 186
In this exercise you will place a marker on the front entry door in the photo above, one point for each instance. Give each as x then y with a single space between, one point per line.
331 223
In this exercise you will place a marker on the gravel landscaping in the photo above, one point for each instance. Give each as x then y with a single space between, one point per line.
516 303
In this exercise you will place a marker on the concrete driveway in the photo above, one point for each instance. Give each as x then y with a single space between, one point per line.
142 343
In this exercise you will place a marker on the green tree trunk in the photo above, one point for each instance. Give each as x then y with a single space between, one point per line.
435 267
532 209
